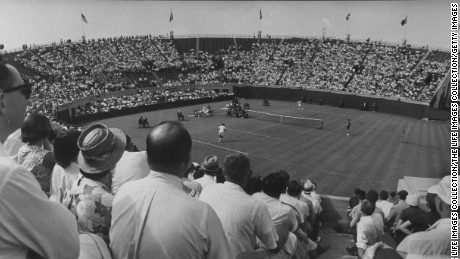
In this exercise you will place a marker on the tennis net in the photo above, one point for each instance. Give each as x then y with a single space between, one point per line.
284 119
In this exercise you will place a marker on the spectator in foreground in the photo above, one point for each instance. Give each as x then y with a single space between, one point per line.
311 198
368 229
395 212
90 197
435 242
384 204
433 214
37 154
393 198
210 166
30 224
412 219
132 166
254 185
66 169
273 185
244 219
154 216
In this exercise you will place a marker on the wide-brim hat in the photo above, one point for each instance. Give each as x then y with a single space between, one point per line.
308 186
442 189
210 164
100 148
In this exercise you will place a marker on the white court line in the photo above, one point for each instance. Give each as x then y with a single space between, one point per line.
229 149
252 133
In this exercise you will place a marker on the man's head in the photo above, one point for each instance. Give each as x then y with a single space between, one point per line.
367 207
442 199
286 177
274 185
169 146
383 195
402 195
294 188
372 196
254 185
393 194
308 186
361 194
13 100
210 165
36 127
237 169
66 147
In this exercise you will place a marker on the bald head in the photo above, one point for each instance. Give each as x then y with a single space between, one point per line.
168 147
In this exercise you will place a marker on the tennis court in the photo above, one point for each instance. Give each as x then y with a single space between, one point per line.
374 156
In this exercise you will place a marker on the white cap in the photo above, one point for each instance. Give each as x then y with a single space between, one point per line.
442 189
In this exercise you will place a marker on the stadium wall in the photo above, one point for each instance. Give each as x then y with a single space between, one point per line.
411 109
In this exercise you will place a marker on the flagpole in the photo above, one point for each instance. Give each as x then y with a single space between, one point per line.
83 28
405 30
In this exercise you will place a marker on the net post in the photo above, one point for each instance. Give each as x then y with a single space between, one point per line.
322 123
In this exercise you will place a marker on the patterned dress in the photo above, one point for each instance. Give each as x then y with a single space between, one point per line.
91 202
31 157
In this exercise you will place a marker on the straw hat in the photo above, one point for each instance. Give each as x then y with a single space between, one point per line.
210 164
100 148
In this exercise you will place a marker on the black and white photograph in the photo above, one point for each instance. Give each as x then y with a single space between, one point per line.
228 129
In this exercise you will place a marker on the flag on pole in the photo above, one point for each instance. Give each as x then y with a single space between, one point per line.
348 17
83 18
260 14
404 21
171 17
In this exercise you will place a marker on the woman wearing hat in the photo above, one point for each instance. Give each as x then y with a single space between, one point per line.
37 153
90 198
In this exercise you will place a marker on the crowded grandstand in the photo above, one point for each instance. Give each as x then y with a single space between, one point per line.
73 186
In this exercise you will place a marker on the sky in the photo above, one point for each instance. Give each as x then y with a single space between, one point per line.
45 21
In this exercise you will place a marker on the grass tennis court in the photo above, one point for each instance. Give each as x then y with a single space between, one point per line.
374 156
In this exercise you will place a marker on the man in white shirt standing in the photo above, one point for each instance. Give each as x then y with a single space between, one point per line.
30 224
210 167
244 219
222 129
155 217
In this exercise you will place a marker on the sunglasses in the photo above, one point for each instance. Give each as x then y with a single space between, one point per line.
26 89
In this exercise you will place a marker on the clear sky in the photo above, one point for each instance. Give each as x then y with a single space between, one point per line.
44 21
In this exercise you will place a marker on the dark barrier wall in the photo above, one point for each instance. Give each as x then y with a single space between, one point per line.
415 110
155 107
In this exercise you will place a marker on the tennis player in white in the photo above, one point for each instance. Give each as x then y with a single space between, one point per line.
221 132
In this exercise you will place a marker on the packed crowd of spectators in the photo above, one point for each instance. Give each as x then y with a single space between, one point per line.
69 71
92 194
